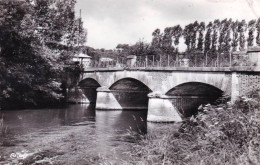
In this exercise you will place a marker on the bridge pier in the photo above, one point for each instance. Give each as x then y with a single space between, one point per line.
106 100
234 87
76 95
160 109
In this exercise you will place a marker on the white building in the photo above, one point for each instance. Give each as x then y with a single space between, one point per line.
83 59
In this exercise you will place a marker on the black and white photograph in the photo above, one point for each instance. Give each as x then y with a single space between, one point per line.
129 82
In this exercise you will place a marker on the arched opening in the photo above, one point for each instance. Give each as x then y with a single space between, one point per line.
131 93
189 96
89 88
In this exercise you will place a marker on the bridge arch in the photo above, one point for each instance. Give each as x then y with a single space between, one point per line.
131 93
187 97
89 82
140 77
194 88
129 83
89 88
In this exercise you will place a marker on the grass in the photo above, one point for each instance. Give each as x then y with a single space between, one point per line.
223 134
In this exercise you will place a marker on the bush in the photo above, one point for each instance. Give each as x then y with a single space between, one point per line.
223 134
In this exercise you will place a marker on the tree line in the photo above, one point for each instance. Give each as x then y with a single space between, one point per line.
37 38
216 38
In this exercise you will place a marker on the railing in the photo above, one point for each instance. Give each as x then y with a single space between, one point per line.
163 61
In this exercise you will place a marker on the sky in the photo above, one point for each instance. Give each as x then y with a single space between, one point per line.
112 22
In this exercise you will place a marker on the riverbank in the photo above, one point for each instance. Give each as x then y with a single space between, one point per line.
61 146
223 134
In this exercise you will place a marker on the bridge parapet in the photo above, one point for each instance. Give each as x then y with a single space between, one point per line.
198 69
241 60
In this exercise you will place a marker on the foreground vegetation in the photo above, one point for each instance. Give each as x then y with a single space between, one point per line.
36 39
223 134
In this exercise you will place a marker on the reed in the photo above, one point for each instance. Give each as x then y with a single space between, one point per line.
222 134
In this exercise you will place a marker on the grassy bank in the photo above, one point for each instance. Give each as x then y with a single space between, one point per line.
223 134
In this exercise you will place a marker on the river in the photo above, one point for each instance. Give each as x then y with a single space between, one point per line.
75 134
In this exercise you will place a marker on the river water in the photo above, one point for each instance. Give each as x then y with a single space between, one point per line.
78 129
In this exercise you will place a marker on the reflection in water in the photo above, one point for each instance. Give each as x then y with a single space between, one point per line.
104 130
26 121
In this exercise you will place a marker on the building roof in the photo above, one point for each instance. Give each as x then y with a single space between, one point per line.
81 55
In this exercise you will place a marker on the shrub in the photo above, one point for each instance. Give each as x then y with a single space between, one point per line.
223 134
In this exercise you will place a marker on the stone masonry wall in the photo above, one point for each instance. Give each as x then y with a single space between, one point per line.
248 82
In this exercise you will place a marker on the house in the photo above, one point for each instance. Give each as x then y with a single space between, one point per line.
83 59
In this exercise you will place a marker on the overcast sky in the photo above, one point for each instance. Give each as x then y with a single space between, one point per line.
110 22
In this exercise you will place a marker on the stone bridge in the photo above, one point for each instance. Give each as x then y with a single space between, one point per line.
169 93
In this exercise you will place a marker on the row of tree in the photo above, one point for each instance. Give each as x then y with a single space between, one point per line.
216 40
36 39
219 36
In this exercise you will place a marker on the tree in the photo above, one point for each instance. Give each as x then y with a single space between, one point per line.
227 38
258 32
222 33
167 37
32 37
251 30
122 46
201 36
208 38
157 38
140 48
242 26
187 35
224 37
177 32
214 41
193 34
235 39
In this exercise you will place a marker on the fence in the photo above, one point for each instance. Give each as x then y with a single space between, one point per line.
161 61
